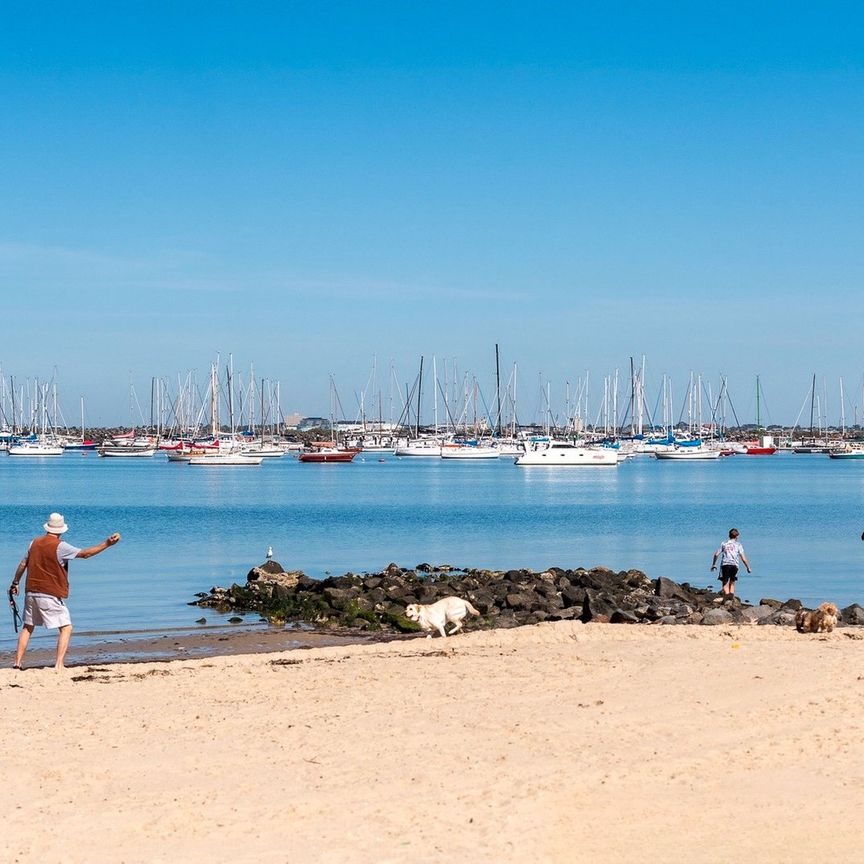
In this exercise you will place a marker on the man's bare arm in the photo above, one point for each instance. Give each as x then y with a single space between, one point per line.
19 572
95 550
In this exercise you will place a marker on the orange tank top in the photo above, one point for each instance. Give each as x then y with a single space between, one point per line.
45 574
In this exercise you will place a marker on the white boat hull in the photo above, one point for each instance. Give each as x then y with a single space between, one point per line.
128 452
226 460
693 454
469 453
35 450
430 450
559 456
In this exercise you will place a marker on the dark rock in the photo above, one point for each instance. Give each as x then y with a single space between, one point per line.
619 616
201 621
520 600
424 568
767 601
392 570
794 605
781 617
573 596
717 616
597 607
268 568
235 619
853 614
372 582
339 596
753 614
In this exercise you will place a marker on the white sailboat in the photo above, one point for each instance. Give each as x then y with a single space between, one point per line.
232 456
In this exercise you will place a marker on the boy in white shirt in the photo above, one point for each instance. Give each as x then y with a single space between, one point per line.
730 553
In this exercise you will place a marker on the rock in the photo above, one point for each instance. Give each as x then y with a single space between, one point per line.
597 607
853 614
794 605
424 568
752 614
268 568
201 621
392 570
339 596
781 617
565 614
767 601
667 619
717 616
235 619
573 596
619 616
520 600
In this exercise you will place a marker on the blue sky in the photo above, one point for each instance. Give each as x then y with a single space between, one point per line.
306 185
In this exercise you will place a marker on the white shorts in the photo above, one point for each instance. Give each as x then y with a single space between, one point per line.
43 610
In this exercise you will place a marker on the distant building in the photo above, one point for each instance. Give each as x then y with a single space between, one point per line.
313 423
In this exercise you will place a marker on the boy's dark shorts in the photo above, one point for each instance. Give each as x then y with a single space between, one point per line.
727 572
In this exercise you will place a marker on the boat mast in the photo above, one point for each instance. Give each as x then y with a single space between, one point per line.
419 390
758 415
812 405
842 411
498 389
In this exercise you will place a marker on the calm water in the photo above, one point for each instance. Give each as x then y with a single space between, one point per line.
186 529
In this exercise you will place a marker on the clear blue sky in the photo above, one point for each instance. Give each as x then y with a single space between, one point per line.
308 184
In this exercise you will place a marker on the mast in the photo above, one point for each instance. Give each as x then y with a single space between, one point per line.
758 415
419 390
812 405
498 390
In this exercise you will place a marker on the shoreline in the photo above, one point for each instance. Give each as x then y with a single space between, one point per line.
183 643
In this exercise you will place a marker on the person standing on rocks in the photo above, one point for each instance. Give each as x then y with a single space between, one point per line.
730 553
47 587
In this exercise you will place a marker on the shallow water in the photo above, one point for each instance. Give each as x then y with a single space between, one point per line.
186 529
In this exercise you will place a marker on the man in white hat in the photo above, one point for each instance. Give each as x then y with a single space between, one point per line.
47 565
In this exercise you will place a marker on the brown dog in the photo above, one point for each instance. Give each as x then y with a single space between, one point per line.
819 620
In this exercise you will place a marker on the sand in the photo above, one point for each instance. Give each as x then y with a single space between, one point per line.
554 743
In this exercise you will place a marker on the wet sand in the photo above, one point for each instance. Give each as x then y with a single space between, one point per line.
553 743
185 644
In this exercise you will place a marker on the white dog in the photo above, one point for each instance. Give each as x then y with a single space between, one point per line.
449 610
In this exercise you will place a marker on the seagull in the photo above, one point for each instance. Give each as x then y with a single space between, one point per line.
269 553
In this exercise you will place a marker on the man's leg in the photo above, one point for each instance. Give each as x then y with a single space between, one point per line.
63 637
23 639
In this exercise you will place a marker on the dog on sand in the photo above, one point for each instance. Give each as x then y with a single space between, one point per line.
819 620
435 616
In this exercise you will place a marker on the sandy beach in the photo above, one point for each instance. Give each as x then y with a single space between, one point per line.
553 743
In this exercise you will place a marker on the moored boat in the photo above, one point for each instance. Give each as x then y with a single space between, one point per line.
222 460
565 454
35 448
327 454
689 454
453 450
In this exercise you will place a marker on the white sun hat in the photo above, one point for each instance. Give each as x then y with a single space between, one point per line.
56 524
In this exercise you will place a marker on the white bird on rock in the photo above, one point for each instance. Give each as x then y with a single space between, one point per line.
269 553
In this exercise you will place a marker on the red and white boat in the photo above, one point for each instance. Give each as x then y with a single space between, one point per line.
327 451
763 447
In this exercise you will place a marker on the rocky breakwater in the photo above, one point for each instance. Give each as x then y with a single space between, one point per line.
511 598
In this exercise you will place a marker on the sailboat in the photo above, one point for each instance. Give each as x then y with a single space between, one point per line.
765 445
329 451
82 443
232 456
